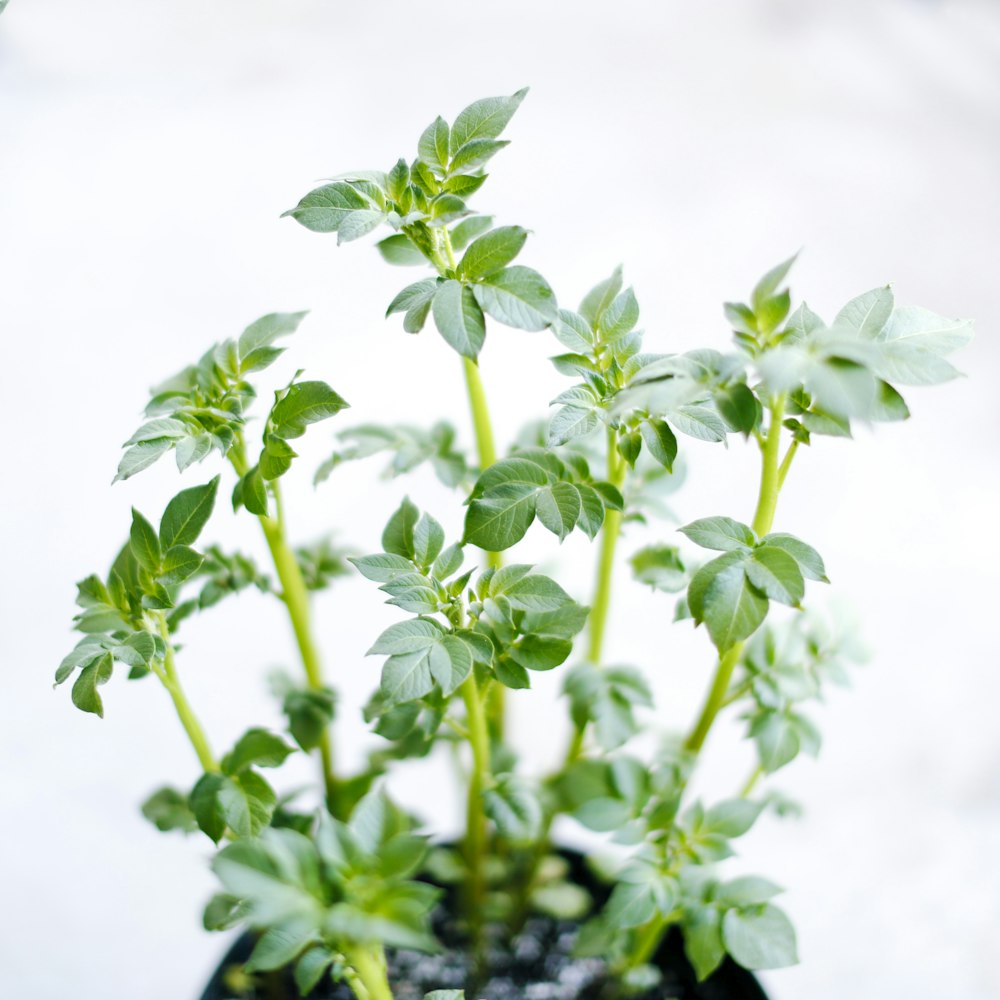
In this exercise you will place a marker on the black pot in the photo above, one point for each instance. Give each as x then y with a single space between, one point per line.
728 982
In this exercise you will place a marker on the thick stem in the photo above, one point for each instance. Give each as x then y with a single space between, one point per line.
172 682
295 596
369 964
482 428
767 502
647 941
475 835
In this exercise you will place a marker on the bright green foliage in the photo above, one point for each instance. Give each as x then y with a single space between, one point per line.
325 892
201 409
425 202
730 594
561 492
348 885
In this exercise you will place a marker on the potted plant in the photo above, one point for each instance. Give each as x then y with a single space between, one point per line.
350 893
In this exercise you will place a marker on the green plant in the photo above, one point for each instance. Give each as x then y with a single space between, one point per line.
329 889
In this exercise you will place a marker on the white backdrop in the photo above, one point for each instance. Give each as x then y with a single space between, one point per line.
145 155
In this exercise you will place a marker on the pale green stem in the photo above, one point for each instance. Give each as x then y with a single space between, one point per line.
171 681
475 837
295 596
767 502
369 964
751 783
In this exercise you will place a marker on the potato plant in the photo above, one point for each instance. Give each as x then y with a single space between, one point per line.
327 890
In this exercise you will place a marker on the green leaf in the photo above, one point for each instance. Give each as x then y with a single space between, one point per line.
382 567
493 251
809 561
535 652
558 508
450 663
187 514
408 637
179 564
324 210
631 905
459 319
591 510
913 345
281 943
660 566
397 539
253 492
205 804
247 803
703 940
310 712
760 937
400 250
413 296
597 300
747 890
433 146
570 422
141 456
310 968
721 596
537 593
476 152
768 285
84 693
167 809
407 677
517 296
732 817
484 119
360 223
777 575
867 313
144 543
619 317
660 441
468 229
500 518
428 540
304 403
256 748
515 809
262 333
720 533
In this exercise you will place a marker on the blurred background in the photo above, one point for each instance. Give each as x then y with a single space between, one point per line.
146 152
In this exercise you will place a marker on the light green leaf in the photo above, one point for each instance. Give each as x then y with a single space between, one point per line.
913 345
558 508
459 319
382 567
720 533
769 284
515 809
570 422
84 693
537 593
304 403
324 210
187 514
600 297
432 147
428 540
256 748
397 538
180 563
777 575
867 313
484 119
809 561
262 333
400 250
407 677
500 518
760 937
723 598
408 637
492 251
660 441
145 543
517 296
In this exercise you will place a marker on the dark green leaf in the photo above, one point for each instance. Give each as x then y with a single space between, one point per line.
459 319
187 514
517 296
144 543
493 251
484 119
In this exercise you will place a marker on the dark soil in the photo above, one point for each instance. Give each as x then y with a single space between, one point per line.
538 964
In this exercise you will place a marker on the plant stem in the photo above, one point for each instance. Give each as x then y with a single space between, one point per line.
475 834
369 964
751 782
171 681
647 941
483 429
295 596
601 604
767 502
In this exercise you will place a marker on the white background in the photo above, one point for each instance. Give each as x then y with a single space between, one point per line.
146 152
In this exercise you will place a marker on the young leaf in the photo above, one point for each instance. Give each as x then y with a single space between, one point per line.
493 251
145 543
484 119
809 561
433 145
257 748
84 694
459 319
304 403
721 596
558 508
187 514
777 575
517 296
760 937
720 533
